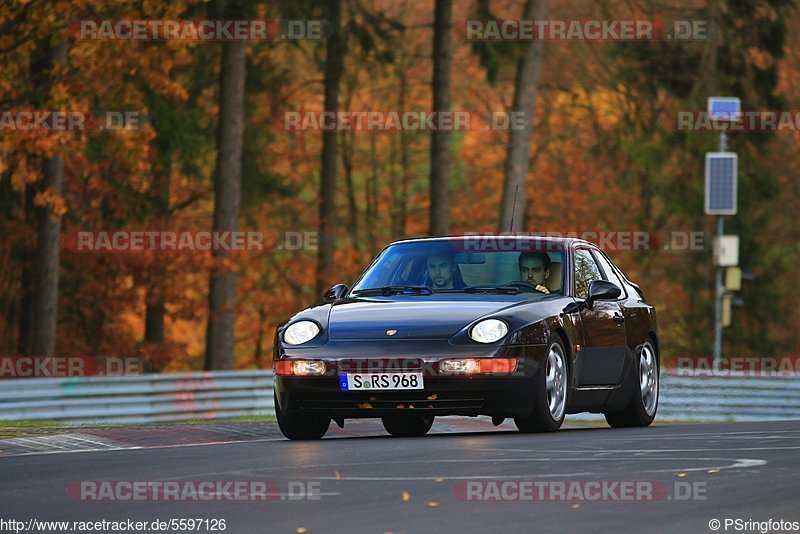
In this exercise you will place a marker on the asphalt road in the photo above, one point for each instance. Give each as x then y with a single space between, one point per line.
361 480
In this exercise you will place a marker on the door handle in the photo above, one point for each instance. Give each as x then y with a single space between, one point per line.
618 318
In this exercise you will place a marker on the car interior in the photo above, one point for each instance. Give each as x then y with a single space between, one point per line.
476 268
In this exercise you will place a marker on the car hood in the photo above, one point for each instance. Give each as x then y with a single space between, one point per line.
420 318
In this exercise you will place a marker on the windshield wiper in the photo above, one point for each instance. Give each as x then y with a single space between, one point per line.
509 290
394 290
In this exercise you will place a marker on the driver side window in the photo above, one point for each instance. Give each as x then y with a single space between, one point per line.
586 271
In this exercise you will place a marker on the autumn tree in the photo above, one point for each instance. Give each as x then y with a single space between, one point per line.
329 157
512 208
227 192
441 140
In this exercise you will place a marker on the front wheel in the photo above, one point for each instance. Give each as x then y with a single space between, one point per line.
303 427
407 425
551 393
642 409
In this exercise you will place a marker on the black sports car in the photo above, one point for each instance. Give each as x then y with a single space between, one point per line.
525 327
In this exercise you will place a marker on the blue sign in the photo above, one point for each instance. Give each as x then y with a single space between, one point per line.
724 108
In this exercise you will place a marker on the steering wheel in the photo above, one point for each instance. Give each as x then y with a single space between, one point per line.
523 286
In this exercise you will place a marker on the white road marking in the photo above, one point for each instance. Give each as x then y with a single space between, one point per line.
457 477
718 463
34 444
742 463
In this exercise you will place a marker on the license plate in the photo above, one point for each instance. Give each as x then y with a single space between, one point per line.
380 381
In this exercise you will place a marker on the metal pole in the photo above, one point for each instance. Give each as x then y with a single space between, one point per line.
719 289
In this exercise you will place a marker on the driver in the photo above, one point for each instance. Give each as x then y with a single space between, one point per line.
443 272
534 269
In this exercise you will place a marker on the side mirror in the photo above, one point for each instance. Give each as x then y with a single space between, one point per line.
336 292
602 290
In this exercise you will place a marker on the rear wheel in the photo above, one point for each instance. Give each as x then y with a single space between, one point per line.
551 393
302 427
642 409
407 425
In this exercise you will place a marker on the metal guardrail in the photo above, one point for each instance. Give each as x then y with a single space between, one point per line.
706 396
138 399
226 394
728 397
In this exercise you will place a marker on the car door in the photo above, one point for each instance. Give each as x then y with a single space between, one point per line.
603 354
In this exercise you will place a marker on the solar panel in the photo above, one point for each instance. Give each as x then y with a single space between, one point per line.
721 185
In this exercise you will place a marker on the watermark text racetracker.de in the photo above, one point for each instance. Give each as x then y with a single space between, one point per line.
188 241
738 366
584 30
738 121
68 366
201 30
193 490
398 121
578 490
45 120
608 240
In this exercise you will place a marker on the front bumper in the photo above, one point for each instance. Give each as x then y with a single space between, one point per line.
506 395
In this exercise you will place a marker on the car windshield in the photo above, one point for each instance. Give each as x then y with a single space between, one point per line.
423 267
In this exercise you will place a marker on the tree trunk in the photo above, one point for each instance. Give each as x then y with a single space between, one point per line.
347 162
519 141
154 318
259 349
440 141
27 284
371 196
227 192
327 186
400 193
155 300
707 81
45 297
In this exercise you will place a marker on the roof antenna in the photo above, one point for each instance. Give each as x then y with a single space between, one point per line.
513 209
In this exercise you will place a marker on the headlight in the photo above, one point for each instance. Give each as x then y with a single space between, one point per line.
488 331
300 332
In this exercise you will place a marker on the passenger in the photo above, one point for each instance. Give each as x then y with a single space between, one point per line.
443 272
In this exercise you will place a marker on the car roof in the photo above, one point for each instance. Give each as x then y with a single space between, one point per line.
556 242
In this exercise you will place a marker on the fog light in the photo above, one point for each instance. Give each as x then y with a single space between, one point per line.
472 366
308 367
464 366
299 368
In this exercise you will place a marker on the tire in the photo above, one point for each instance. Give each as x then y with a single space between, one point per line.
301 428
406 426
643 406
550 404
